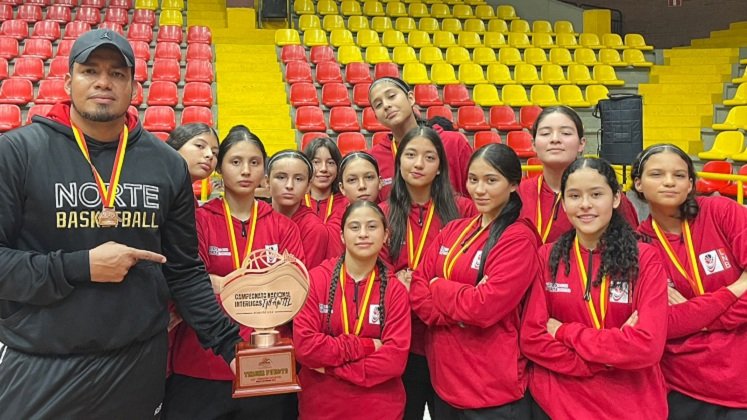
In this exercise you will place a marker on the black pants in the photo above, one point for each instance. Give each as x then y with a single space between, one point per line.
517 410
418 388
126 383
682 407
204 399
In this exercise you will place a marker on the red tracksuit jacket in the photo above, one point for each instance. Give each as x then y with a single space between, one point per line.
319 207
274 231
472 339
560 223
358 383
316 237
588 373
708 365
457 150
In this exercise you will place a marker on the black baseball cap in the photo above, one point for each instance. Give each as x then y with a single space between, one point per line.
89 41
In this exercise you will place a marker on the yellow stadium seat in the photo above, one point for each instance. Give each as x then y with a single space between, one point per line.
519 40
613 41
396 9
499 74
561 56
462 11
332 22
743 61
543 95
515 95
350 8
740 96
535 56
340 37
381 24
519 25
568 41
469 40
309 22
736 119
726 145
303 7
543 40
596 92
474 25
373 8
419 39
506 12
542 26
564 27
431 55
606 75
579 74
552 74
571 95
741 79
474 2
287 37
636 41
471 74
428 24
451 25
443 74
367 38
314 37
172 5
635 58
585 56
526 74
405 24
494 40
377 54
349 54
509 56
418 10
146 4
440 11
357 23
415 74
590 40
611 57
393 38
498 25
484 56
326 7
457 55
740 157
443 39
484 12
403 55
486 95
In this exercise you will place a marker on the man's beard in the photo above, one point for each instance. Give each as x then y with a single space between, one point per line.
102 114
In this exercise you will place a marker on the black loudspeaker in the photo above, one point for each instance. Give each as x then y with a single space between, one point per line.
274 9
622 128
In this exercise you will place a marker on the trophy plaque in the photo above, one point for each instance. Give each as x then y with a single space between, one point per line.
267 291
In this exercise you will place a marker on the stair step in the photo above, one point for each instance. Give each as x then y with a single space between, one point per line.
719 42
729 33
695 69
656 121
738 25
671 133
690 78
701 52
660 89
691 147
674 99
229 48
687 61
678 109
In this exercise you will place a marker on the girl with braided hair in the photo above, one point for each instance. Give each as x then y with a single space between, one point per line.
595 321
352 336
468 290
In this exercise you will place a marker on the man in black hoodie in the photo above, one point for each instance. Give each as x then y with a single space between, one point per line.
97 231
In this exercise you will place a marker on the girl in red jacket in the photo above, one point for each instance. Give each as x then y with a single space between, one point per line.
228 229
422 201
289 175
393 101
324 199
595 321
353 334
197 143
703 244
558 140
468 290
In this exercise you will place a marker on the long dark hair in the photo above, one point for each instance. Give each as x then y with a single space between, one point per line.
236 134
618 244
689 208
357 155
562 109
504 160
334 151
380 266
184 133
442 193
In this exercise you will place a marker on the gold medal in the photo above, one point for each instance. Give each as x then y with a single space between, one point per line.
108 217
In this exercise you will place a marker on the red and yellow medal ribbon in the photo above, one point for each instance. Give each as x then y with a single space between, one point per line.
307 200
539 212
694 279
232 234
362 310
413 256
107 195
603 294
452 256
394 149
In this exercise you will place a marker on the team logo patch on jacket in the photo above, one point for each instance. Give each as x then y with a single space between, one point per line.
273 247
714 261
324 309
443 250
374 315
218 251
557 287
619 293
476 261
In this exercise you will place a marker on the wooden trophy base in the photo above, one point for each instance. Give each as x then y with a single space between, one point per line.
265 370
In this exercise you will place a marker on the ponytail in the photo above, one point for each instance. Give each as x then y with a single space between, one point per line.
508 215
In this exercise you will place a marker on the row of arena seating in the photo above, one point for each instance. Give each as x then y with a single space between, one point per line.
31 13
729 143
373 8
729 188
99 4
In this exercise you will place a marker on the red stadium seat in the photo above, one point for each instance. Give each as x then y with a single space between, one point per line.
59 13
303 94
321 53
120 4
351 142
38 47
117 15
199 71
328 72
159 118
75 29
6 12
160 135
31 68
360 95
457 95
287 54
8 47
386 70
51 91
114 27
521 142
193 114
440 111
298 72
141 70
343 119
199 35
141 50
37 110
309 136
12 2
379 136
503 118
3 69
204 52
731 189
335 94
42 3
169 50
357 73
486 137
310 118
427 95
527 115
63 47
16 91
66 3
58 68
170 33
472 118
145 16
99 4
710 186
90 15
534 161
29 13
46 29
197 94
370 123
163 93
15 28
166 70
137 100
10 117
140 32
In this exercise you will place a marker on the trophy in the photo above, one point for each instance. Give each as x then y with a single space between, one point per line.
267 291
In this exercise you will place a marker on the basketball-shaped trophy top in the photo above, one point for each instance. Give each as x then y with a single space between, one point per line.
268 290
